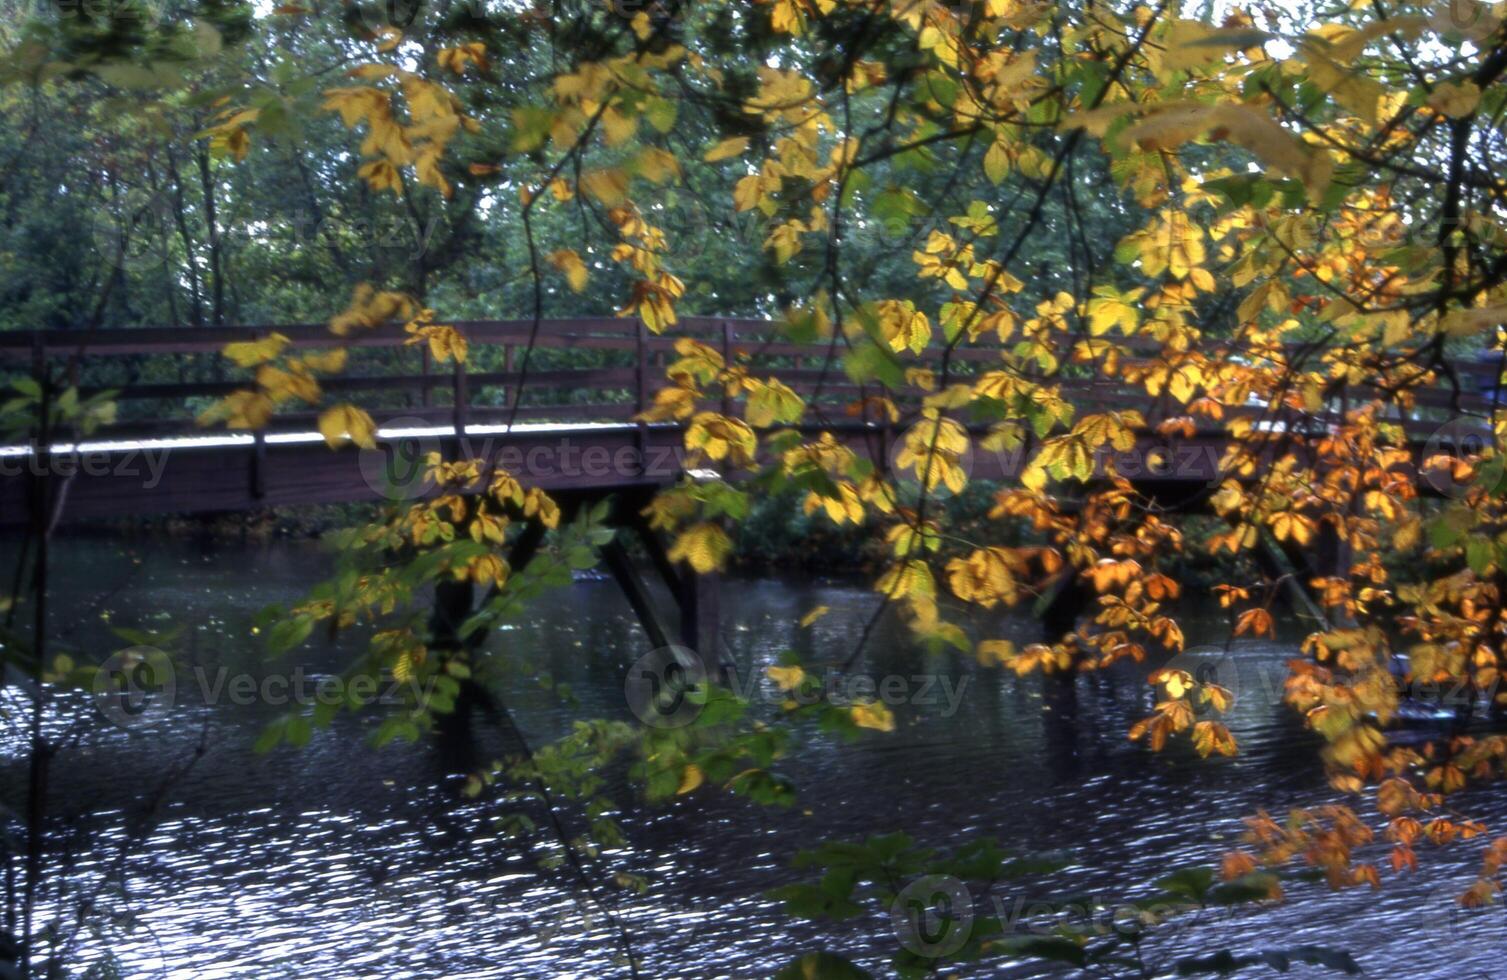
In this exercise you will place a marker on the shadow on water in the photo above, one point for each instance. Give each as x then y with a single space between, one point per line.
338 860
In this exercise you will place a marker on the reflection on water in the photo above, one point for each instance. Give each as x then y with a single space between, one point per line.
342 861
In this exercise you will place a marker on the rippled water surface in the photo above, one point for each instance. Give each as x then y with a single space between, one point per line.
339 860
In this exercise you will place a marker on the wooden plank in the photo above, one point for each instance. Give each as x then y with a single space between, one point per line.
206 480
582 378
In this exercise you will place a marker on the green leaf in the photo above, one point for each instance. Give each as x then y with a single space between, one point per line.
830 898
1480 553
868 362
1059 949
1193 883
1226 962
1254 887
289 633
822 966
297 731
270 736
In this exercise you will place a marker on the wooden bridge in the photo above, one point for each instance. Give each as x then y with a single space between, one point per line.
573 432
561 417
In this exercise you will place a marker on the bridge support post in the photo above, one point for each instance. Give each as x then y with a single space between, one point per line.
1275 564
700 609
1060 608
697 596
259 465
1329 555
453 603
615 557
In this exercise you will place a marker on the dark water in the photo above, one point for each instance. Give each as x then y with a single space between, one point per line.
339 860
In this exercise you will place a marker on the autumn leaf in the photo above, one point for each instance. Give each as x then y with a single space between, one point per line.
873 714
996 653
771 402
903 326
445 342
542 507
704 546
1456 100
1256 622
569 263
690 778
250 353
347 422
1290 525
786 678
816 613
728 148
1210 737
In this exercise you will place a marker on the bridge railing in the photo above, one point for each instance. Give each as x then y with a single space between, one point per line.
592 369
598 369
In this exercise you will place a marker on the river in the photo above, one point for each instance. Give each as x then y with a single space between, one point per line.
339 860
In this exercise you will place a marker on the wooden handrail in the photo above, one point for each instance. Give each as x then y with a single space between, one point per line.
596 333
635 379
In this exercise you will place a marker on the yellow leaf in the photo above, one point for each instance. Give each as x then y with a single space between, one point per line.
1456 101
903 326
569 263
997 162
326 362
1464 323
1110 308
908 578
540 505
1210 737
690 779
609 186
720 437
382 176
873 715
1191 43
456 58
445 342
814 615
1394 796
1177 682
249 353
1179 122
773 401
1290 524
617 127
1351 88
705 546
347 421
983 577
732 147
786 678
282 385
995 653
